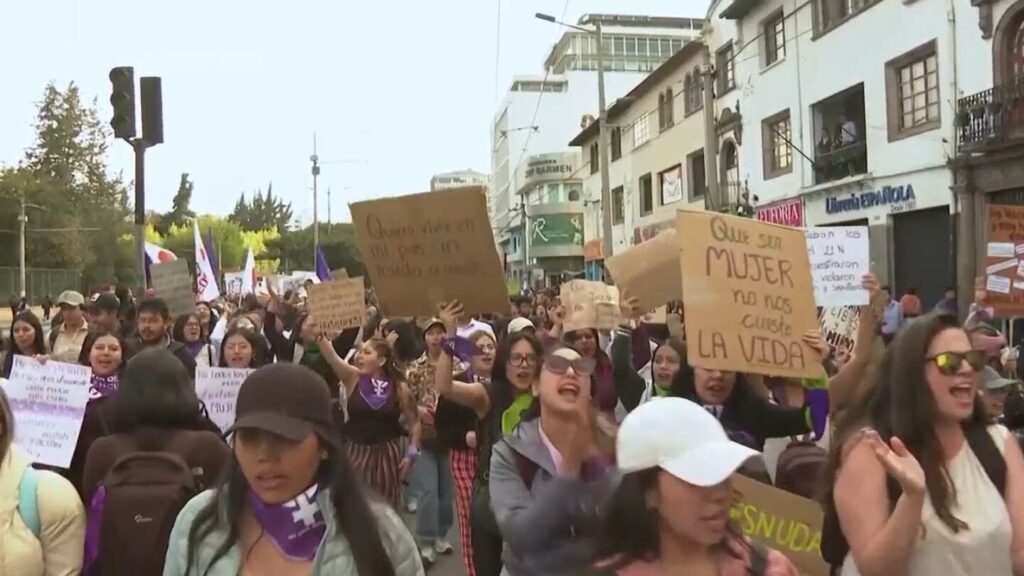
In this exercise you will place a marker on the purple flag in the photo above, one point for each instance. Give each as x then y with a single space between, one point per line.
323 271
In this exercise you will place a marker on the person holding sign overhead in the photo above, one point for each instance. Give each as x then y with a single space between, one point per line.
631 388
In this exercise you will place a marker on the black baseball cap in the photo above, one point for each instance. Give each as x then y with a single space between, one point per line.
288 400
105 302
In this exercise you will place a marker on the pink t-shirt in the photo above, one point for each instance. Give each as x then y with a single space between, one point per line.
556 456
735 564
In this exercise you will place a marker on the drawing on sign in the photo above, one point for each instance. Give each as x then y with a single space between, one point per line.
218 389
748 297
338 305
839 259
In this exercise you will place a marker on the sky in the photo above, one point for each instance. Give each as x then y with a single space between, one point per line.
395 90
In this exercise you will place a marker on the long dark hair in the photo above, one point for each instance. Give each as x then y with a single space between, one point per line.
178 332
155 390
38 342
256 341
501 386
684 385
631 528
353 516
408 346
90 341
900 403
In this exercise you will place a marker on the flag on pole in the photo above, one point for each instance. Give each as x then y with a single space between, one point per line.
206 283
211 252
323 271
157 255
249 274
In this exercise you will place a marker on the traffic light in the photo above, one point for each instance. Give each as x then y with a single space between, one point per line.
152 110
122 97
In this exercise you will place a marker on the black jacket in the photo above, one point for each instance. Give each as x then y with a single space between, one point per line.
134 345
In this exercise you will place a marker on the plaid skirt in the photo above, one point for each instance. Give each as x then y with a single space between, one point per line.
377 465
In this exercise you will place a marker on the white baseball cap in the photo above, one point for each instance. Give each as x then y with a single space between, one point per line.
681 438
519 324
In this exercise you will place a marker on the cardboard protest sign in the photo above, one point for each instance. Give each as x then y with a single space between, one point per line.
1004 253
839 258
748 298
48 402
218 389
839 326
589 305
657 316
338 304
650 271
173 283
784 521
340 273
428 248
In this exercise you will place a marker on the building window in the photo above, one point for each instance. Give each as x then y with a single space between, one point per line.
777 151
642 130
698 180
575 191
618 212
646 194
774 39
595 159
725 69
840 149
693 86
730 170
912 92
666 101
831 13
616 143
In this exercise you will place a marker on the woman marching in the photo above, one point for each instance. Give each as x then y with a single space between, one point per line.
26 340
188 329
289 502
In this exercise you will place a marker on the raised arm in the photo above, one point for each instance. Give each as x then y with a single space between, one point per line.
470 394
346 373
842 388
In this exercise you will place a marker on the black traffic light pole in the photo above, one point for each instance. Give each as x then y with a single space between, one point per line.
122 98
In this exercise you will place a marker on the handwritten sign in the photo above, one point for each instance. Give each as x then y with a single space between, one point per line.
1003 260
657 316
839 257
173 283
650 271
428 248
218 389
839 326
48 402
338 304
748 298
589 305
781 520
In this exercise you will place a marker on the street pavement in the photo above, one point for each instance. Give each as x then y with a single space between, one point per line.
449 565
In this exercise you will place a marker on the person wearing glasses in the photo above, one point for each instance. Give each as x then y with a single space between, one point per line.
550 476
920 483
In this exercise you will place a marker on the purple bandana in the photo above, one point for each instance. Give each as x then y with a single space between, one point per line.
102 386
376 392
296 527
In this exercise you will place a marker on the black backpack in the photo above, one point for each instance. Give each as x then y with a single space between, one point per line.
834 546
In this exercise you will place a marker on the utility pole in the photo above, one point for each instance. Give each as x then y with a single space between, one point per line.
316 218
713 196
605 143
328 207
22 220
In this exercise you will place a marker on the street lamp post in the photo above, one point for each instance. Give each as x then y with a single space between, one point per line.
604 134
316 219
22 222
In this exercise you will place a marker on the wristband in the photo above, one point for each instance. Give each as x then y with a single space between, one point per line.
412 452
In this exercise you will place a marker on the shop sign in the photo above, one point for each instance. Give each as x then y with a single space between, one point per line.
787 213
593 250
898 198
556 230
547 168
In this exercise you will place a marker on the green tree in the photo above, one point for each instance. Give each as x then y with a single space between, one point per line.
263 212
181 213
294 250
227 240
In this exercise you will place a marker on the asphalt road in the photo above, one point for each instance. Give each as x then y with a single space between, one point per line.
449 565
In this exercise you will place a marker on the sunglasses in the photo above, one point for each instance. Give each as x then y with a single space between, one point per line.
560 365
949 363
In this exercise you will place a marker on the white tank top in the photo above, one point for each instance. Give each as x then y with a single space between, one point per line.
982 549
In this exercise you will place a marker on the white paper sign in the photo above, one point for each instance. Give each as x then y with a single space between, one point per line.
1020 249
840 257
839 325
998 284
48 402
218 389
1000 266
1000 250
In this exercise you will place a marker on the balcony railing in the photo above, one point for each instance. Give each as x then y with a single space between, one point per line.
991 117
849 160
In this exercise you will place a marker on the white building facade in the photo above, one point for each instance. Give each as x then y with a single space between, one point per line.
458 179
541 113
847 117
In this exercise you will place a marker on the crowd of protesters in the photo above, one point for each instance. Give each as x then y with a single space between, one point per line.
547 452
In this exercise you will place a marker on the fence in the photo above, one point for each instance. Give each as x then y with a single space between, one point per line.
39 282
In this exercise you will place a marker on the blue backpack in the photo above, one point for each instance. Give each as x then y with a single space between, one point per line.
28 507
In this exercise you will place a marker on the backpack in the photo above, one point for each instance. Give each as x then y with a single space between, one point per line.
133 511
800 467
28 505
834 546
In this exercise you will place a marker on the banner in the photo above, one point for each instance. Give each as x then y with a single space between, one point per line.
1004 260
839 257
748 299
338 304
48 401
218 389
206 281
428 248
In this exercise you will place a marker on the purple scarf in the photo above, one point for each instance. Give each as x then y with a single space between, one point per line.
296 527
102 386
375 392
194 348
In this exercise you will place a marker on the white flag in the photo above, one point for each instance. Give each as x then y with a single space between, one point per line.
206 284
249 274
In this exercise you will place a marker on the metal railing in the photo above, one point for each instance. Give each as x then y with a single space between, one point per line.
40 282
991 117
849 160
